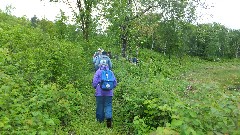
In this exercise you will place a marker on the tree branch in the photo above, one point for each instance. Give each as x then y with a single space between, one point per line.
143 12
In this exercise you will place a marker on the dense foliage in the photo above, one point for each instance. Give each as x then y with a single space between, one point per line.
46 72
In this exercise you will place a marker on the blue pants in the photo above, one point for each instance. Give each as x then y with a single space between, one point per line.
104 108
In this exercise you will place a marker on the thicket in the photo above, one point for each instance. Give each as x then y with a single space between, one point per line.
41 79
45 86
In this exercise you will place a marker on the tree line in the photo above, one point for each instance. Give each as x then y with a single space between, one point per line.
161 25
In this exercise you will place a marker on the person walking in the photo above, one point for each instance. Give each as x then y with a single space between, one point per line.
96 57
103 58
104 96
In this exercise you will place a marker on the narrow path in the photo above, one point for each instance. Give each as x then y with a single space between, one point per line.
88 124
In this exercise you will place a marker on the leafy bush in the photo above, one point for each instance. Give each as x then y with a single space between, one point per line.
40 81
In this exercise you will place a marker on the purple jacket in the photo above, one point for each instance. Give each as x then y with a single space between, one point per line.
96 81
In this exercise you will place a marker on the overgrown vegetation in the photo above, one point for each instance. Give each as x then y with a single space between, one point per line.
46 73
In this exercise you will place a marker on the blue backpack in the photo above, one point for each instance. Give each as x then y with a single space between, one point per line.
107 80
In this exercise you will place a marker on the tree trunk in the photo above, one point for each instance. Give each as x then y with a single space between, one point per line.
124 40
85 17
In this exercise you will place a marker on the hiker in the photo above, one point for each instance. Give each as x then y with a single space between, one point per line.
109 54
103 96
104 59
135 60
95 58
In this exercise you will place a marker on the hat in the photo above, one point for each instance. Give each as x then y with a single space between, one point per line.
104 53
99 49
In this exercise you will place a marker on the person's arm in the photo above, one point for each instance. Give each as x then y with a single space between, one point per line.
96 79
94 59
110 64
98 60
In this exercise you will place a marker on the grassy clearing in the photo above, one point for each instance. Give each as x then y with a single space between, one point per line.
214 93
215 76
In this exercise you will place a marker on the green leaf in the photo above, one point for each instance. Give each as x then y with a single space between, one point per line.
1 124
193 114
176 123
50 122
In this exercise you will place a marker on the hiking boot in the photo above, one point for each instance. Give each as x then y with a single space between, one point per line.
109 123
